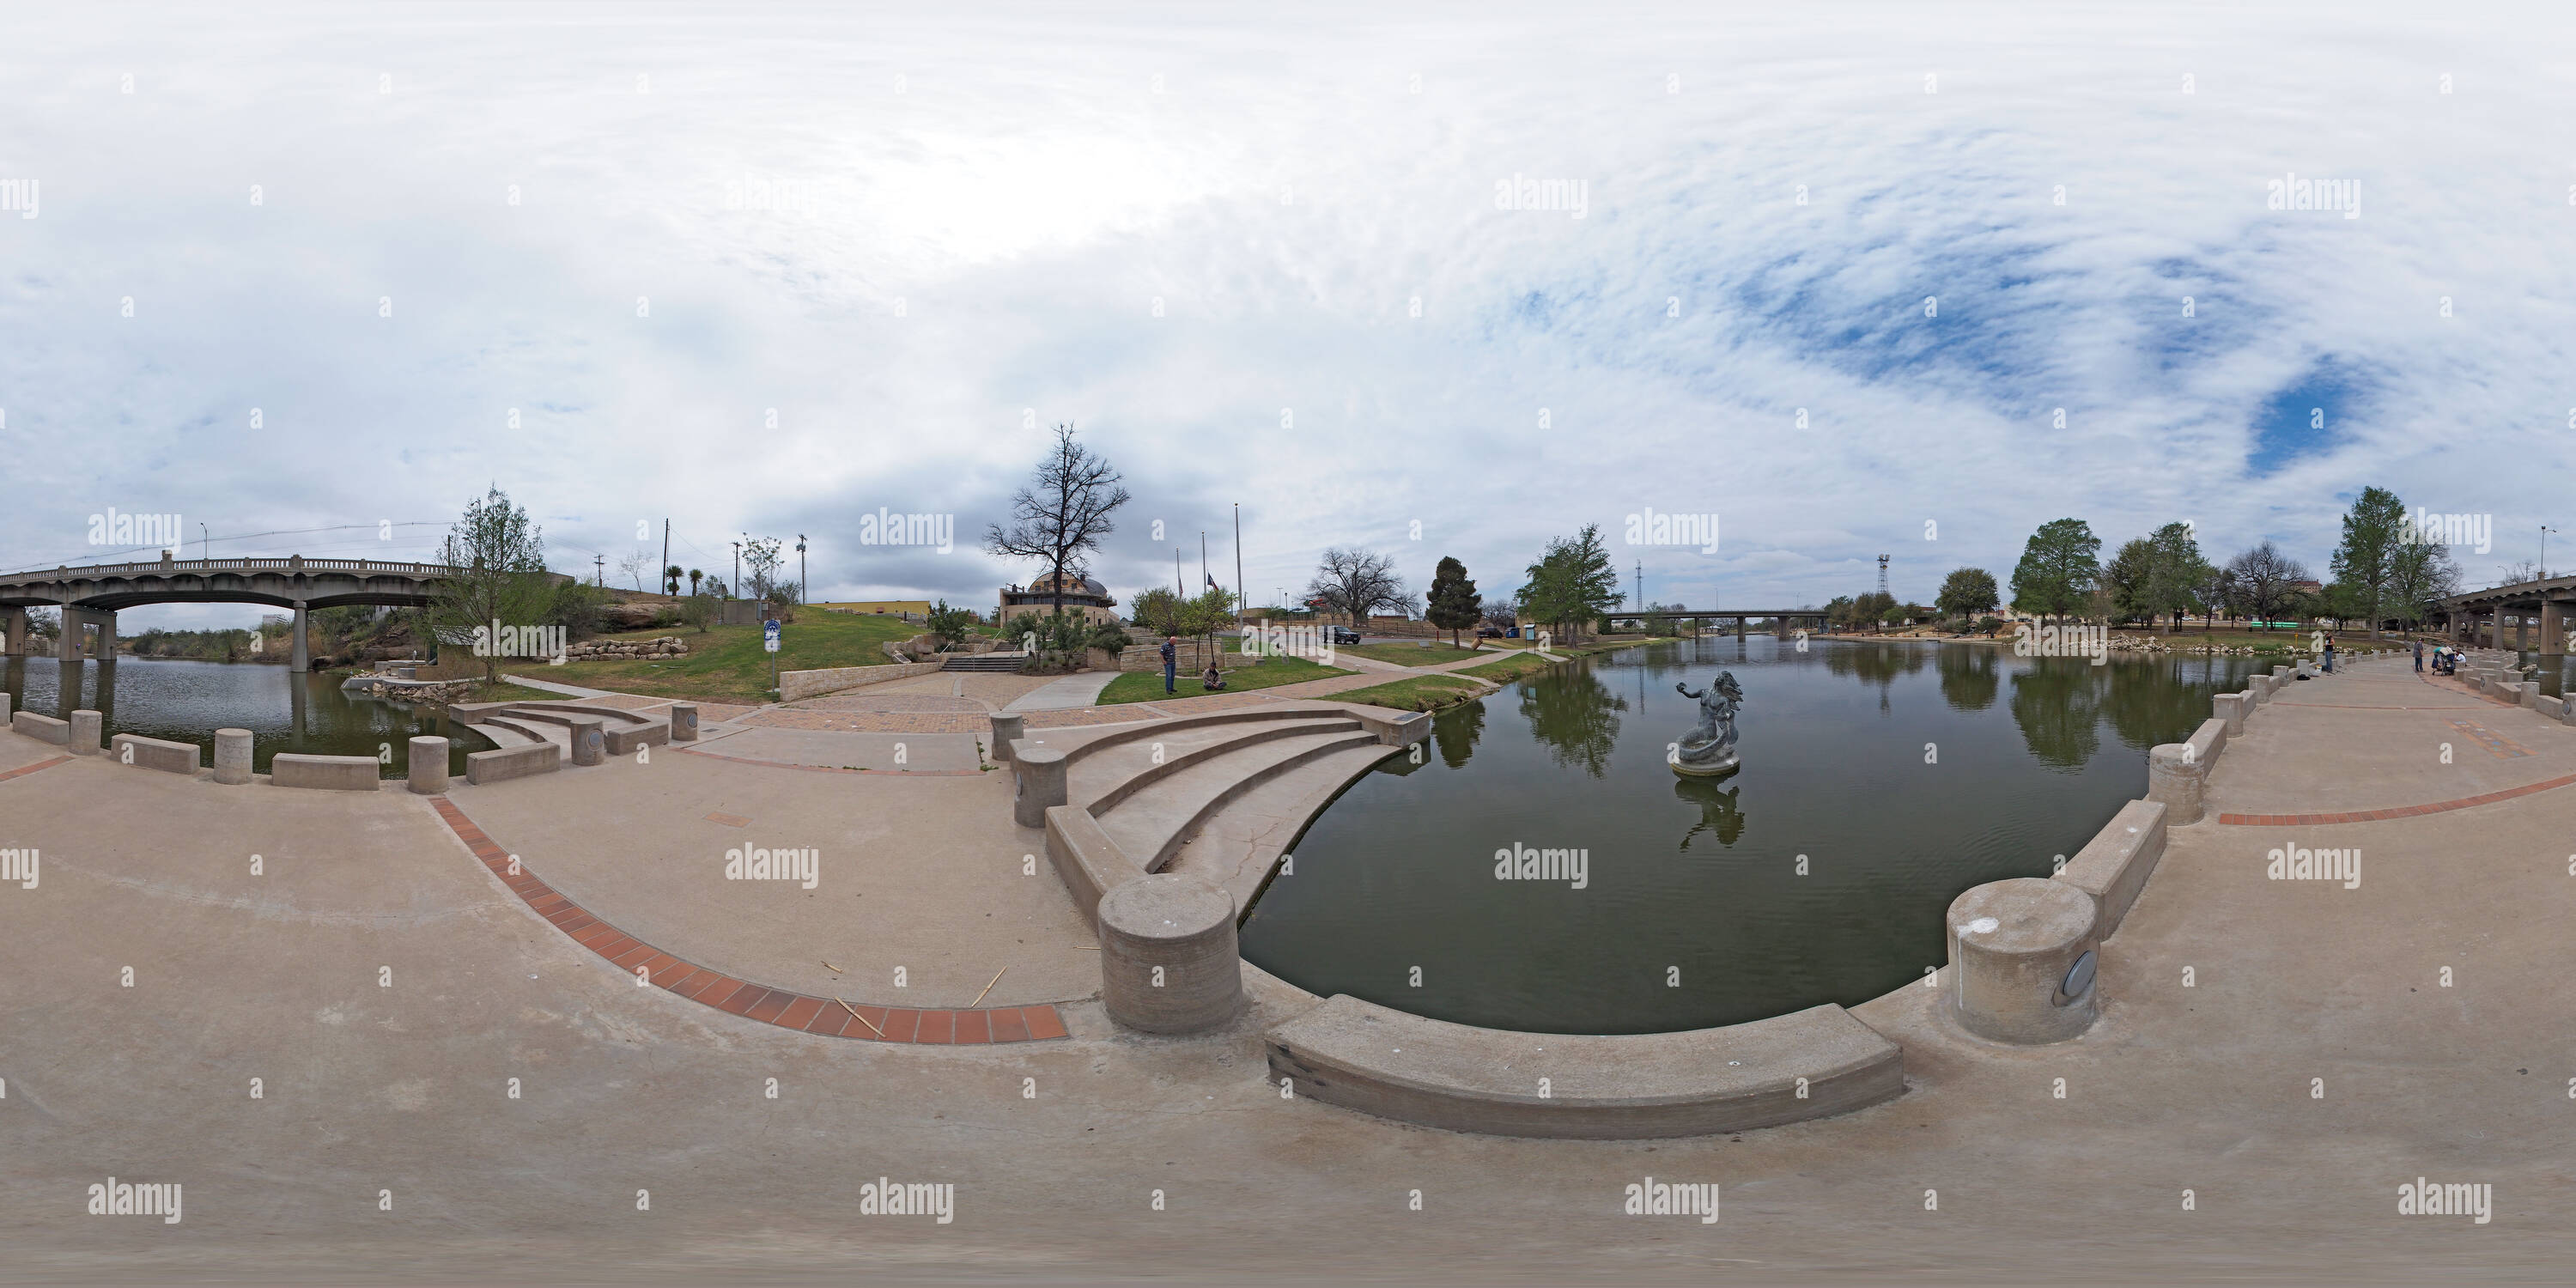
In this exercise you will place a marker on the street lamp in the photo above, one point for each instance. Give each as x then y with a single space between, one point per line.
2545 530
205 550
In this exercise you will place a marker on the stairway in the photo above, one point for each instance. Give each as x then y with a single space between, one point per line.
982 661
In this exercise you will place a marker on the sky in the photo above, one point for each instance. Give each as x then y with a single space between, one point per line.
1430 280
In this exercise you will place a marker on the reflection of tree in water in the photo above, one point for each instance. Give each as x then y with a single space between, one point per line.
1969 677
2058 703
2144 714
1455 732
1717 811
1877 664
1571 712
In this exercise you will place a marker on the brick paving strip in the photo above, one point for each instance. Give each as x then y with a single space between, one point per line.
825 1016
24 770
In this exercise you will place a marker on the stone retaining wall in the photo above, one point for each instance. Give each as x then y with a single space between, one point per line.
796 685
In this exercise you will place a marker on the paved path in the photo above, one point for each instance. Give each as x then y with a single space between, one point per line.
2284 1052
568 690
1078 690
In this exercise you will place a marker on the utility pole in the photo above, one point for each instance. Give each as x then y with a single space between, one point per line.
665 574
1641 585
1204 578
1179 587
599 574
800 567
731 587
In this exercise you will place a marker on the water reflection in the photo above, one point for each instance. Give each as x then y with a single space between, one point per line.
1969 677
1454 732
2058 706
1575 716
186 701
1717 811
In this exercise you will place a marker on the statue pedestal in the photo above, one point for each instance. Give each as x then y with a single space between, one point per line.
1725 763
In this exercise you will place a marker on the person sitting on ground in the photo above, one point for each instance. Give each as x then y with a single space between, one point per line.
1214 680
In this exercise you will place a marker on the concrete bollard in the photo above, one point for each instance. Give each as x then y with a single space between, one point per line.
154 753
2231 708
2531 694
2175 775
2261 687
1168 961
2022 957
1041 772
5 700
232 756
684 722
589 742
429 766
85 732
1005 729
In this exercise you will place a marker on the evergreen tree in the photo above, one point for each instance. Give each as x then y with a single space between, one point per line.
1454 606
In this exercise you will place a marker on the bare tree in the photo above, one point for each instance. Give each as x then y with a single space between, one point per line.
1062 519
633 564
1357 583
2263 578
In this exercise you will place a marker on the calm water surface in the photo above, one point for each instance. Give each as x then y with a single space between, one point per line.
187 701
1893 775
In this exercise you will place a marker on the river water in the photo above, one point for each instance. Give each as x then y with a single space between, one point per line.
1879 780
185 701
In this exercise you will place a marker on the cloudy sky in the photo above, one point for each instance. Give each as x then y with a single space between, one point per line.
1829 272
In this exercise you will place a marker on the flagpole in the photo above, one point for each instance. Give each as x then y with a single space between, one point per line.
1240 598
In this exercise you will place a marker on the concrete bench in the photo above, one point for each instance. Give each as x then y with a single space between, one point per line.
1808 1064
42 728
1090 864
154 753
513 762
2207 741
2114 866
327 773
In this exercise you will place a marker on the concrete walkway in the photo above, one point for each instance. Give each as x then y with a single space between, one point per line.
1077 690
568 690
2274 1059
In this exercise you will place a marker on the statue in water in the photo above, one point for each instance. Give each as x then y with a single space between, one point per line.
1709 748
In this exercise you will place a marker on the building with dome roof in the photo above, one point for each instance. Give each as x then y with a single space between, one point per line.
1081 595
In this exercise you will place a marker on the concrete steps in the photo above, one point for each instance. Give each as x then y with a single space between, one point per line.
1112 772
1009 662
1153 821
1236 846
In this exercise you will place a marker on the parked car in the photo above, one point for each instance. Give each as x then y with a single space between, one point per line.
1344 635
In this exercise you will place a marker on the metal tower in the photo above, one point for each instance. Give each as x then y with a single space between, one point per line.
1882 577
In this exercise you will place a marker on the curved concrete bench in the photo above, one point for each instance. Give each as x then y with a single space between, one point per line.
1266 731
1808 1064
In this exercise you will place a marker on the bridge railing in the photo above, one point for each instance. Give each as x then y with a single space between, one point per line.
91 572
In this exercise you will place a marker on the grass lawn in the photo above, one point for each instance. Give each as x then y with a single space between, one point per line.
726 664
1408 653
1270 672
1415 693
1508 669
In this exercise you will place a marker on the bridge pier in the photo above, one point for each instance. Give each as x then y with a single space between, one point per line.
302 663
2553 628
71 646
13 632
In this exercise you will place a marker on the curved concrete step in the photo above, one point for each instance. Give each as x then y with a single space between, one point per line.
1078 743
561 713
1237 846
503 733
1152 824
1806 1064
1099 782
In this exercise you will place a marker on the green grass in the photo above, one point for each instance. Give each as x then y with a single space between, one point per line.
1408 653
1269 672
726 664
1415 693
1508 669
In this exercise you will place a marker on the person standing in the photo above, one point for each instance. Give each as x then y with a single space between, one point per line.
1171 661
2419 657
2330 655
